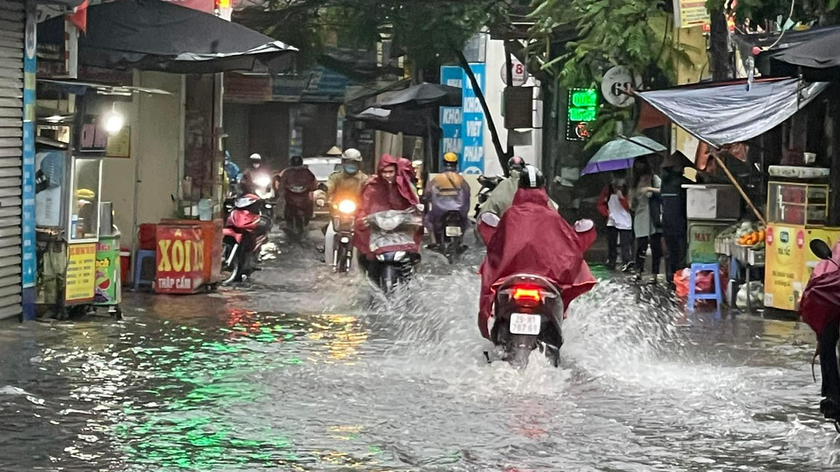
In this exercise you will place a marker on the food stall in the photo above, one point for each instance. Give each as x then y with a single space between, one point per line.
70 147
797 211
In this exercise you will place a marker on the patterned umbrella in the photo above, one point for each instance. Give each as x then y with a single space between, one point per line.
620 153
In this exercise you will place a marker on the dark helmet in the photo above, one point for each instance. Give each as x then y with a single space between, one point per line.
531 177
516 163
297 161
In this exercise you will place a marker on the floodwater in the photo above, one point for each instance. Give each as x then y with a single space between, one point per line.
304 370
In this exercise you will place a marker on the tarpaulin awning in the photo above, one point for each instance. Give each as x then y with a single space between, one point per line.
157 35
720 114
422 96
412 123
819 57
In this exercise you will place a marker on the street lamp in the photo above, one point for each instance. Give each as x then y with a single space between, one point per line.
113 121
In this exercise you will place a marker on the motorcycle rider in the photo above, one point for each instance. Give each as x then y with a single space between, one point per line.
231 170
389 189
297 175
448 191
345 183
248 182
532 238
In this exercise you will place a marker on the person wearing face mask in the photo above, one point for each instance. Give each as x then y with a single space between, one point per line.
344 184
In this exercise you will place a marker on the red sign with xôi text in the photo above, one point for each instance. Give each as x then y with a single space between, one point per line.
180 259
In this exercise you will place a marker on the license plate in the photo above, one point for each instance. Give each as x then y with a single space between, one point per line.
453 231
521 323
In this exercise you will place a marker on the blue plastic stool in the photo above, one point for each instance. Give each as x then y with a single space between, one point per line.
140 256
692 282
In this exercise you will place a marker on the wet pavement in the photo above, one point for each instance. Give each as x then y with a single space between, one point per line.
301 369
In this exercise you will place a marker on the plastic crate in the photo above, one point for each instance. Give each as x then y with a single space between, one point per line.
723 245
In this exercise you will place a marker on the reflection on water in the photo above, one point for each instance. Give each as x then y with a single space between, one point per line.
281 376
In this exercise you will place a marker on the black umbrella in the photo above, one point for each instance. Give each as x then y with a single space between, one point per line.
423 95
412 123
819 58
157 35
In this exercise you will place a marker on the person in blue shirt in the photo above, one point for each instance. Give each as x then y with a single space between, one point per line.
231 170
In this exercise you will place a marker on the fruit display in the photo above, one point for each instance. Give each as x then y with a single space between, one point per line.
750 234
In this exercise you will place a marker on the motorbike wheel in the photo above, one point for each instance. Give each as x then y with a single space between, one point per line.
519 349
343 260
230 272
389 279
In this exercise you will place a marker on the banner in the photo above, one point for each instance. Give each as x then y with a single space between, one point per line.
180 259
107 281
81 268
463 127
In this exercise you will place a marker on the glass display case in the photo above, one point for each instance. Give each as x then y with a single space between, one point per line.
85 190
797 203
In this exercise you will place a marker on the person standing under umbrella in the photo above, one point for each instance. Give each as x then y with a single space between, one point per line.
615 207
645 202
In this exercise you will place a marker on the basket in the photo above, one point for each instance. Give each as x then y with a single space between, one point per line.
748 255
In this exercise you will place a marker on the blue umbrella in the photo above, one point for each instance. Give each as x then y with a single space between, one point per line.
620 153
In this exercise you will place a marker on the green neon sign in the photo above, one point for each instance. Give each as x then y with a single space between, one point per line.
583 97
583 114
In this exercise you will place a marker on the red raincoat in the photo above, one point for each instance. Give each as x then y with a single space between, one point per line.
299 176
821 298
380 195
532 238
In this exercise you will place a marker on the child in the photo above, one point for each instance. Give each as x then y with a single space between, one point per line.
615 207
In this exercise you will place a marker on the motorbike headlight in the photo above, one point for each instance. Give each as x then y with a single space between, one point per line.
399 255
263 181
347 206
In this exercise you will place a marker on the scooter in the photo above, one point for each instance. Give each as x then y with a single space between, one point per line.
528 315
392 241
820 308
451 241
488 184
244 234
297 219
343 221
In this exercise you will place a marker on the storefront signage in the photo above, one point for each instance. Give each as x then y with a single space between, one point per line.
520 74
690 13
463 127
180 259
81 269
616 84
701 241
28 214
582 109
119 144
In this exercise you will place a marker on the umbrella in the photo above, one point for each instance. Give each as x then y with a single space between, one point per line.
424 95
412 123
620 153
158 35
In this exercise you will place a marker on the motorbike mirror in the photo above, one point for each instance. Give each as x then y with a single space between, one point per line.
820 249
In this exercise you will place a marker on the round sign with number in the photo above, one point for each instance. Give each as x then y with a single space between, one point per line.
520 75
617 81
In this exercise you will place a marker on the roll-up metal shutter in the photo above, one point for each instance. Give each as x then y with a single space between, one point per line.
12 23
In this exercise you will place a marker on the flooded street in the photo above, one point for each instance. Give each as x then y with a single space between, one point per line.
305 370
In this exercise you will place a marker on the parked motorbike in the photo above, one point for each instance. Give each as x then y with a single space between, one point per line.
820 308
344 217
451 241
392 241
244 234
528 315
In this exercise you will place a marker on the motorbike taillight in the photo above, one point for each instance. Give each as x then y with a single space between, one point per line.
528 296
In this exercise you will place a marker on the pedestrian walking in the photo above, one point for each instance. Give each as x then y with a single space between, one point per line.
614 205
674 219
647 220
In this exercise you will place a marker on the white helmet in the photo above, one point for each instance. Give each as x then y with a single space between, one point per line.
352 154
255 157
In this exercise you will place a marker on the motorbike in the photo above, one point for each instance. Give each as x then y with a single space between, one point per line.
245 232
820 309
488 184
392 241
344 218
528 315
452 237
296 215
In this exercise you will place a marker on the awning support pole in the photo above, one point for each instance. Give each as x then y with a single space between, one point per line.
740 190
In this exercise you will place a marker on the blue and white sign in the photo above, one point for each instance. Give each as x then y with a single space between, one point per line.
463 127
28 192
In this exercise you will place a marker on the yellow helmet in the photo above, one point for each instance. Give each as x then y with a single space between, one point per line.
450 157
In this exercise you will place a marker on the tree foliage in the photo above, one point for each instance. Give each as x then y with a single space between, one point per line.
632 33
426 31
